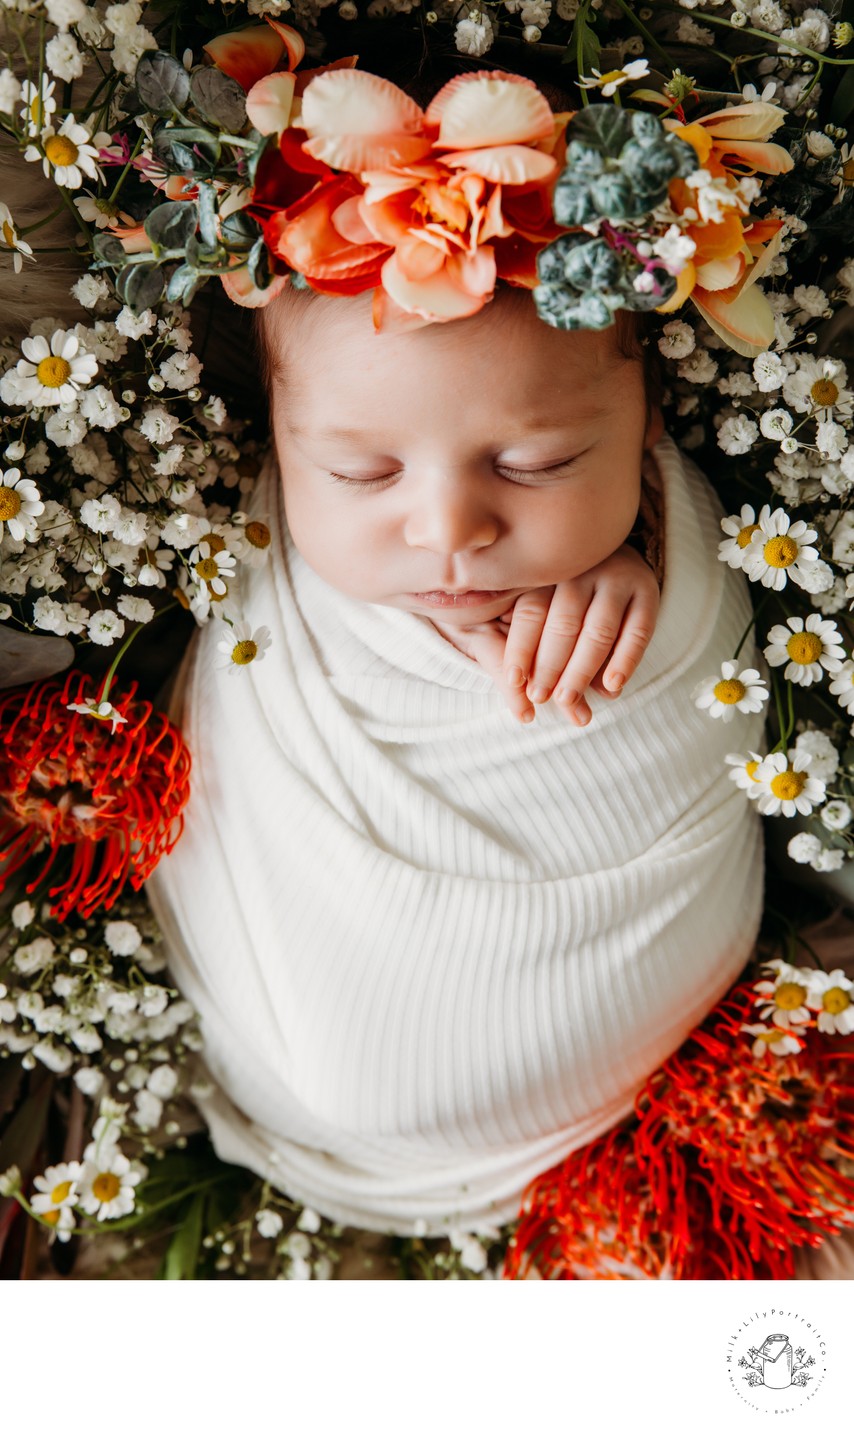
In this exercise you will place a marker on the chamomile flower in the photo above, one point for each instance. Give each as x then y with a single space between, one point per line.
778 1041
66 154
809 648
777 547
842 685
20 503
213 565
818 387
57 1187
243 646
39 104
251 541
612 79
107 1183
63 1222
787 786
10 240
831 996
103 711
722 695
741 528
783 999
744 772
55 372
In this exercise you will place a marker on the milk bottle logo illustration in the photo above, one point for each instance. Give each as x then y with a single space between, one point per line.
776 1359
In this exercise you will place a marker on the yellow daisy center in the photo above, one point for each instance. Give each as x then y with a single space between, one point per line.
780 552
10 503
216 542
60 150
835 1000
36 111
746 534
824 392
729 691
60 1192
258 534
805 648
750 768
9 236
53 372
789 996
244 652
207 568
106 1186
105 208
610 75
789 783
217 598
52 1217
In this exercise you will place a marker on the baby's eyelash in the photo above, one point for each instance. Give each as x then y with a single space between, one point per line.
384 481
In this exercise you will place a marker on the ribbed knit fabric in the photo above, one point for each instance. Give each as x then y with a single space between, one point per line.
434 950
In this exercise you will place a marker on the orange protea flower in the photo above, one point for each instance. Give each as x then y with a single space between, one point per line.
109 795
431 207
726 1166
733 250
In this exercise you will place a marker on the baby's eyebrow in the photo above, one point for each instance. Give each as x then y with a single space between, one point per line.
534 424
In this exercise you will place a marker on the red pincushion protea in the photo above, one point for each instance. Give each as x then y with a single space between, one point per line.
111 792
726 1165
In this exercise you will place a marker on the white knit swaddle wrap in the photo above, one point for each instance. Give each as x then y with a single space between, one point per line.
434 950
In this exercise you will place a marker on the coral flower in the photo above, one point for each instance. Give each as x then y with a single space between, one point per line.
103 805
733 251
427 208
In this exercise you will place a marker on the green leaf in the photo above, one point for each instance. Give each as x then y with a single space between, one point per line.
171 225
182 1256
207 214
603 126
161 82
239 230
219 98
183 283
584 45
140 286
187 147
108 249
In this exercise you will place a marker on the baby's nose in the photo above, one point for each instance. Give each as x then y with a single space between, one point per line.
450 521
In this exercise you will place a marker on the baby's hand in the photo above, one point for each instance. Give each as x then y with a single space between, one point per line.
560 638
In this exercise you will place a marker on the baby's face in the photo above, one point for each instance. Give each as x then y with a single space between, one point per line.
494 453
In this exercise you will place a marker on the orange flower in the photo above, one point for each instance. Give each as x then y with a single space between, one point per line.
432 206
733 251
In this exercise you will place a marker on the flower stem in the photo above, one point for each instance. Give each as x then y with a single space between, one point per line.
111 671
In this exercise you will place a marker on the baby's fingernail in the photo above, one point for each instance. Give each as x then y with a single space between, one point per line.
616 681
527 716
538 696
567 696
515 677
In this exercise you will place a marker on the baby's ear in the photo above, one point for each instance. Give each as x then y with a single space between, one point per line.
654 427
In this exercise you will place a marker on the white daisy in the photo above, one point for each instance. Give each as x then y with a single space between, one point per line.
808 649
103 711
832 997
783 999
213 566
107 1183
733 690
788 789
67 155
243 646
817 387
743 774
18 497
39 105
842 685
776 549
610 81
251 541
741 527
57 1187
773 1040
9 239
63 1222
53 373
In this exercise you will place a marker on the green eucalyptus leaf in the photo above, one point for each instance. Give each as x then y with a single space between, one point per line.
604 127
161 82
187 148
172 224
219 98
239 230
108 249
207 214
140 286
183 283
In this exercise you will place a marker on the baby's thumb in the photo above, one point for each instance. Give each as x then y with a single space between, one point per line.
487 647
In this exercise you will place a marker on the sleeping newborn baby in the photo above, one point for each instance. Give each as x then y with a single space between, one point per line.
435 949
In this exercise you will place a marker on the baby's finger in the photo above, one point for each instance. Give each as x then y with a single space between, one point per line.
594 644
637 629
565 621
487 646
526 626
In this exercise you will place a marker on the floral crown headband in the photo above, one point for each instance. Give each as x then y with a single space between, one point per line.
352 186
